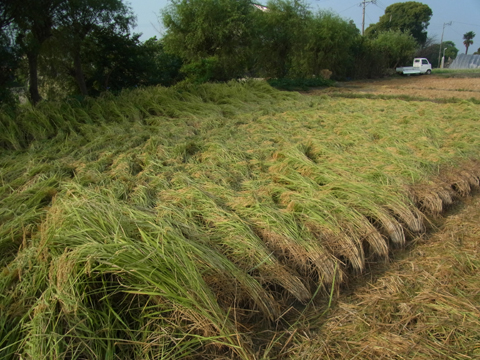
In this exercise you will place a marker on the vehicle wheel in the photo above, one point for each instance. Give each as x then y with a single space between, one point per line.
429 72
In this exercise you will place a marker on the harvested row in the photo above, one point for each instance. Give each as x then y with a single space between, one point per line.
168 223
424 305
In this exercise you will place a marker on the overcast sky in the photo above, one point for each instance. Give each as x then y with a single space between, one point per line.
464 14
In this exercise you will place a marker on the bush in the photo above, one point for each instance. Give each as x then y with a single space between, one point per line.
201 71
299 84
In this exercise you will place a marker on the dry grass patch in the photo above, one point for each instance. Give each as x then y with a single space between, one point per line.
424 306
422 87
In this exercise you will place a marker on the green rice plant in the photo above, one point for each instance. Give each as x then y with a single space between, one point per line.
290 240
48 119
139 257
21 282
10 134
22 212
234 237
169 223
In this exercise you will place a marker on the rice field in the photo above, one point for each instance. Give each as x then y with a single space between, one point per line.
443 85
208 222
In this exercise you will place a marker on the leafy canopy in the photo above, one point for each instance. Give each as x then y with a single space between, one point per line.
431 52
225 39
216 31
398 47
410 16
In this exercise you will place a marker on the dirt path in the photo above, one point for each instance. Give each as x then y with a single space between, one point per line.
433 86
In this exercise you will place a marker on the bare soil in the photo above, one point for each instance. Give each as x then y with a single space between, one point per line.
422 86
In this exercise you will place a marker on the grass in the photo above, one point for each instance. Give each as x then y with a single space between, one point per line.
300 84
457 73
184 222
451 100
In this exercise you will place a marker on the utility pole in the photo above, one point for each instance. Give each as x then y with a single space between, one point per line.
364 4
441 42
443 58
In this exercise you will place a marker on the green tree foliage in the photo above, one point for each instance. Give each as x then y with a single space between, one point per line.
9 61
294 42
225 39
409 17
451 51
110 62
53 35
368 62
33 21
468 40
6 14
9 58
161 67
281 33
397 46
328 43
122 61
210 34
431 52
79 18
375 56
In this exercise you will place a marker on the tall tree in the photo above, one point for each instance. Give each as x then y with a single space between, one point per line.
34 20
327 44
281 33
6 16
468 40
396 46
431 52
8 55
210 33
118 61
410 16
79 18
451 51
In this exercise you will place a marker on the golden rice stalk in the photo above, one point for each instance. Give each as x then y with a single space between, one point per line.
291 243
234 237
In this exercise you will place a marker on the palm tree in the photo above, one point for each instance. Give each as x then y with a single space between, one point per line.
467 40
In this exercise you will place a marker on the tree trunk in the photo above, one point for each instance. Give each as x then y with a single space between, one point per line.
35 97
79 76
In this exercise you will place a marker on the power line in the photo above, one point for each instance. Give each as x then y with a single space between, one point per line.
458 22
380 6
356 4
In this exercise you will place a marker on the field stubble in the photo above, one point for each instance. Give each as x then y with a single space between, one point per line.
192 222
433 87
